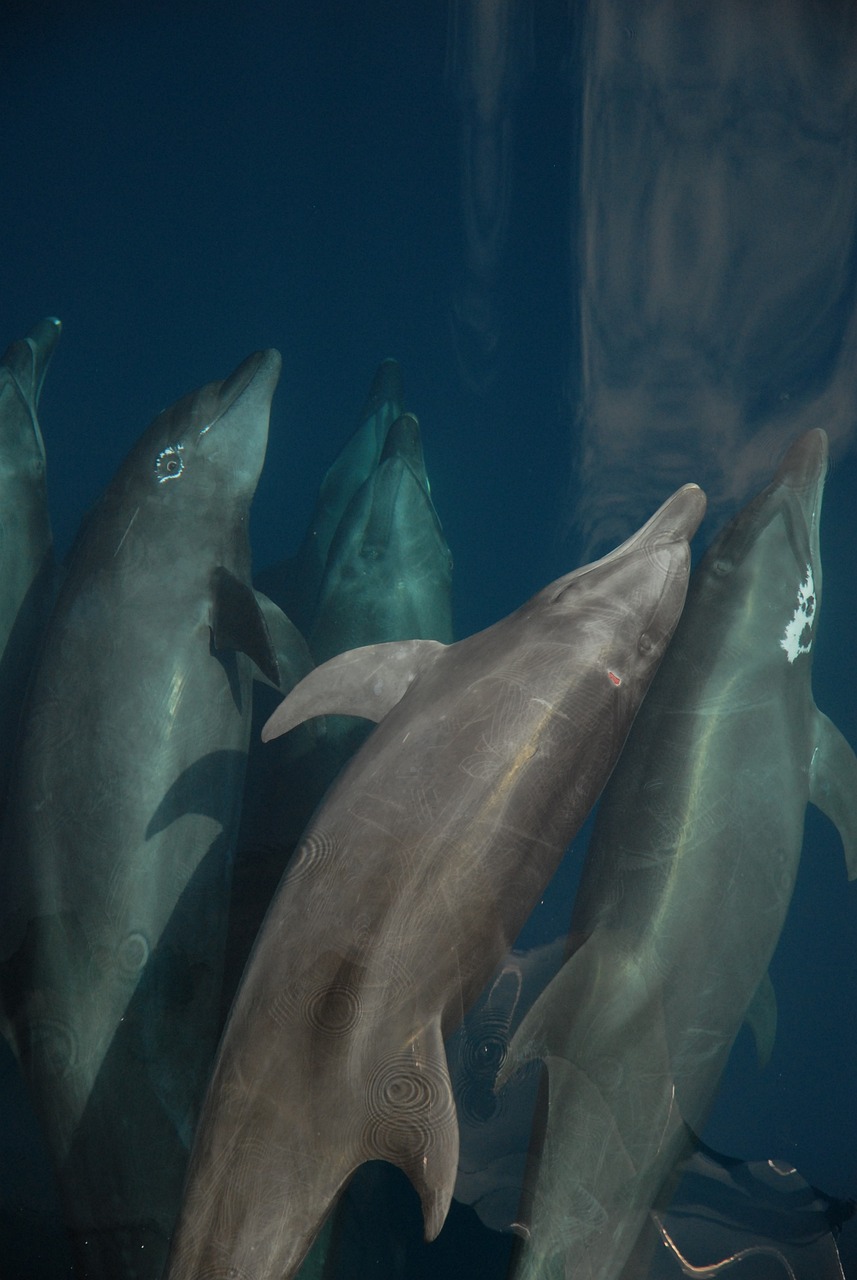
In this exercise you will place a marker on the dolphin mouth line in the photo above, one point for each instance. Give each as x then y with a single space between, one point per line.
234 395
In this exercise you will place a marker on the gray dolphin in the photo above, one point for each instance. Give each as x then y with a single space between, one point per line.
406 891
388 577
26 559
294 583
389 570
115 865
687 882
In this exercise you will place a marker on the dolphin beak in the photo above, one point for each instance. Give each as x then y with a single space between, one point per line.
253 383
242 403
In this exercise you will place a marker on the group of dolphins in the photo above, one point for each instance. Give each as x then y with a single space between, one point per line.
408 860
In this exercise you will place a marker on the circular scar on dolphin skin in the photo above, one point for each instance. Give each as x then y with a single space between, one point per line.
333 1010
332 1007
132 953
409 1106
315 852
54 1042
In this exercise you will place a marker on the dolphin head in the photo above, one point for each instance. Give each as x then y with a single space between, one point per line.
767 560
209 447
627 604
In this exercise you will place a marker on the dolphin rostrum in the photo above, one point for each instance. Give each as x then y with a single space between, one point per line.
687 882
116 859
409 885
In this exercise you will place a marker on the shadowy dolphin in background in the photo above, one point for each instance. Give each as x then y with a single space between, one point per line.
406 891
686 884
26 543
389 571
116 859
294 583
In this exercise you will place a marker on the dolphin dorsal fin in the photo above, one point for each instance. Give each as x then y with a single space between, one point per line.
363 682
833 785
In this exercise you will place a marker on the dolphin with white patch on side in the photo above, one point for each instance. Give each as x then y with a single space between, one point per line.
686 884
412 880
116 860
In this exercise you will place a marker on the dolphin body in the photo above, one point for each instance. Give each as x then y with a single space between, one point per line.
26 542
420 867
122 816
295 583
686 884
389 570
388 577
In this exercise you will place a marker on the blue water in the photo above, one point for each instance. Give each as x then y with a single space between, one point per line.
612 247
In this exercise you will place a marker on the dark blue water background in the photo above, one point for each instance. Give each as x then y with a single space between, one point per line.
612 247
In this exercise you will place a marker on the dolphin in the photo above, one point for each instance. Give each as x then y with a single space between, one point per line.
389 570
294 583
26 542
115 867
406 891
388 577
686 883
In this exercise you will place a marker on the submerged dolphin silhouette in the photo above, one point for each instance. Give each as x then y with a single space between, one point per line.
687 882
116 857
26 556
408 888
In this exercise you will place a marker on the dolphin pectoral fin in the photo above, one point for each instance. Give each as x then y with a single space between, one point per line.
833 785
293 657
762 1019
237 622
365 682
412 1122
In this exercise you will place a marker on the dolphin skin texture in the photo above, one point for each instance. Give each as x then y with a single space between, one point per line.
115 865
686 884
418 870
26 543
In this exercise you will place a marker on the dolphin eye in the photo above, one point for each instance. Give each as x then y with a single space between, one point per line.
169 463
722 566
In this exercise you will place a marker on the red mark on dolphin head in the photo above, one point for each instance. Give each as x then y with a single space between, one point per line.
617 680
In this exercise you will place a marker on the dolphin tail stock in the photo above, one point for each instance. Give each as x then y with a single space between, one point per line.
833 785
411 1121
364 682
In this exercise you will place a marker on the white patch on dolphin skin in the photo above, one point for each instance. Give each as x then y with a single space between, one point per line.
798 633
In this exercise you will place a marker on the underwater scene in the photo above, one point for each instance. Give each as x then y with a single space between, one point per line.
428 509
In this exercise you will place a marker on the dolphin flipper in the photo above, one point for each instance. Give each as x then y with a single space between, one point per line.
363 682
833 785
239 623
